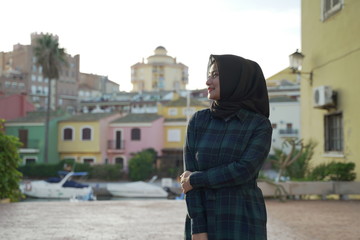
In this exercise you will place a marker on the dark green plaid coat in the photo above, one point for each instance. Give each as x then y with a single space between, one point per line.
225 157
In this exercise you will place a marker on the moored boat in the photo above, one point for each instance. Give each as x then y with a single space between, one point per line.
137 189
59 187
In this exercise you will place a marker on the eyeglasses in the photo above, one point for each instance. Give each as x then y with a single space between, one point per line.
213 74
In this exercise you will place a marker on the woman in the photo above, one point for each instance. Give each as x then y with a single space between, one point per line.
225 148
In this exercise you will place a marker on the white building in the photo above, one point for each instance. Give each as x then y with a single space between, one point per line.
284 112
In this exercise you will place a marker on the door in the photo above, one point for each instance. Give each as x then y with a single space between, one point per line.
118 140
23 137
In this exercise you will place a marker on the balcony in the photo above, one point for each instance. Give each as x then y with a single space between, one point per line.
288 133
116 146
30 146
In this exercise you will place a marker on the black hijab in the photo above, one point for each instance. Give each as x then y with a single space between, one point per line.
242 85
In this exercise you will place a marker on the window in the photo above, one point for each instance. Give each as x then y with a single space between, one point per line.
88 160
86 133
33 89
174 135
172 111
135 134
330 7
334 133
30 160
190 111
68 134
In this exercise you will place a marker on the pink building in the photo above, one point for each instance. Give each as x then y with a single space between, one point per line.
14 106
134 133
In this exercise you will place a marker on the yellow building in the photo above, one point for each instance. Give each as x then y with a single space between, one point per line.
176 113
330 94
285 74
161 72
84 137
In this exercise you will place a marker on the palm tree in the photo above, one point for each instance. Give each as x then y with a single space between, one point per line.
50 58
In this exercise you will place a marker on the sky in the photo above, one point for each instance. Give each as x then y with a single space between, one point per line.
112 35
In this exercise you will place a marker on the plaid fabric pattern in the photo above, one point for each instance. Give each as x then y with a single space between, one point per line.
225 157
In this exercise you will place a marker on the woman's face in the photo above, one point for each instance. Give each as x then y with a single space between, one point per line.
213 83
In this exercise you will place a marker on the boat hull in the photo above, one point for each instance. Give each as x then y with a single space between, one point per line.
43 189
136 190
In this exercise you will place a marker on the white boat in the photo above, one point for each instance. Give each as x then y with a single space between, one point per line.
137 189
60 187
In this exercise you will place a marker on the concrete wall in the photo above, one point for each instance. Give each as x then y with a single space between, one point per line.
310 188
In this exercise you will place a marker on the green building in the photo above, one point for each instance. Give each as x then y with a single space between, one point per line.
31 132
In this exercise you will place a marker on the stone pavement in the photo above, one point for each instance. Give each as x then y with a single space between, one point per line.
123 219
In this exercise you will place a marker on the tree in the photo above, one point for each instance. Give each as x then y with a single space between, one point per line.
301 167
141 166
296 163
285 160
50 58
9 162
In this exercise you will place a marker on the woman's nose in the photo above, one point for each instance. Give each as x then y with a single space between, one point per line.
208 81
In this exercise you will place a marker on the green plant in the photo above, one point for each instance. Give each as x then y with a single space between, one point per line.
319 172
107 172
141 166
295 164
335 171
300 168
39 170
282 160
9 162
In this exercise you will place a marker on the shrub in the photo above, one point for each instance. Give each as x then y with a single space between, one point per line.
39 170
141 166
99 172
335 171
107 172
319 173
9 162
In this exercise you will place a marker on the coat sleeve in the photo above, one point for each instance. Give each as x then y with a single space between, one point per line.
193 198
244 168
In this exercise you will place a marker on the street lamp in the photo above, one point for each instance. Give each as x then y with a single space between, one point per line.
296 60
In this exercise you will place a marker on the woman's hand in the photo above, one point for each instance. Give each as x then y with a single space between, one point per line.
200 236
185 182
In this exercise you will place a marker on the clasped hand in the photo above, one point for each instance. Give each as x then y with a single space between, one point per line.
185 181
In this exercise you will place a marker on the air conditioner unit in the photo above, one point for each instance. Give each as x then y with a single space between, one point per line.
324 97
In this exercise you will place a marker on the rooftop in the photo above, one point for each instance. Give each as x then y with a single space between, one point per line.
138 118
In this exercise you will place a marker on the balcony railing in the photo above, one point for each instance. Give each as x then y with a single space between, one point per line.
288 132
32 143
116 145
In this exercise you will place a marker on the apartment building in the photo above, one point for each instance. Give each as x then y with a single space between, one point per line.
20 74
160 72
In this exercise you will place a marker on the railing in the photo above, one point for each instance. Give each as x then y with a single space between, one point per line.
288 132
116 145
32 143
